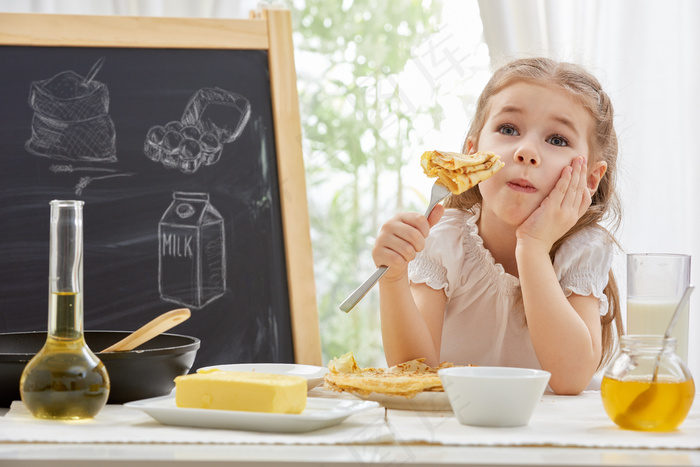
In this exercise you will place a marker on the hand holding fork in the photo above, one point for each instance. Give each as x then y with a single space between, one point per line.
437 194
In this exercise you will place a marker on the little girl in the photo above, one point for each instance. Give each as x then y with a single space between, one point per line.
517 272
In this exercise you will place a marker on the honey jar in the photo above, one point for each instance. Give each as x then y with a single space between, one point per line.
647 387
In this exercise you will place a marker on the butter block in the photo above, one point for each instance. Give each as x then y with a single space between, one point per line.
238 390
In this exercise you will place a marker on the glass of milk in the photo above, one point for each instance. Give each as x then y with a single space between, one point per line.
655 284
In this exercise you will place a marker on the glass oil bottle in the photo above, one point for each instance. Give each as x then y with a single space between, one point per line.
65 380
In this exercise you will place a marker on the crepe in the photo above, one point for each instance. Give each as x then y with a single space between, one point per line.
405 379
459 172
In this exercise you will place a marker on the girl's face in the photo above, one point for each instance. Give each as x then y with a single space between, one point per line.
537 131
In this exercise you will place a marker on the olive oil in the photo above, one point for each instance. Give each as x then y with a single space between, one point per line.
666 412
65 380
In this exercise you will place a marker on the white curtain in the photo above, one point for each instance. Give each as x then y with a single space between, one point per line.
647 55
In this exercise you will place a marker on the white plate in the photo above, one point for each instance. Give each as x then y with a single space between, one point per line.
435 401
313 374
319 413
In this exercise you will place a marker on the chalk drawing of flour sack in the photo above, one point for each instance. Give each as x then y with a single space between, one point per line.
192 253
212 118
71 119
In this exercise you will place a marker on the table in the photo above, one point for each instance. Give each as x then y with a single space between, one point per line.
566 431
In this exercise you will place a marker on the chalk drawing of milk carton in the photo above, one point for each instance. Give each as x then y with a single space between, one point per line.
191 251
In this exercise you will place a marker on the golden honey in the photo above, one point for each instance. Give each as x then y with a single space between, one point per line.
665 403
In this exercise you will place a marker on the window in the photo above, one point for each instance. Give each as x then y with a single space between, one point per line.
379 83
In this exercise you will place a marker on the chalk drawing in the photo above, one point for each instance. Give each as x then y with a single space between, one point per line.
71 122
85 181
212 117
71 118
67 168
191 251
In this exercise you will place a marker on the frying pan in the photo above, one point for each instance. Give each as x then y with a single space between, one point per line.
147 371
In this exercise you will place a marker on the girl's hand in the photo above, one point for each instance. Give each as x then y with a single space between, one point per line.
559 211
400 239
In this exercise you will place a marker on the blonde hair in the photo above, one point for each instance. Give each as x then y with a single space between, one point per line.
605 206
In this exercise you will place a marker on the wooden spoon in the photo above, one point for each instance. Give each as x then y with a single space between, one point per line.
150 330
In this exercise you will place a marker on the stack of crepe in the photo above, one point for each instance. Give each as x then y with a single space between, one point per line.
459 172
405 379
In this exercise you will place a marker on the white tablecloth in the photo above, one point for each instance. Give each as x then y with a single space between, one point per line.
571 421
119 424
564 421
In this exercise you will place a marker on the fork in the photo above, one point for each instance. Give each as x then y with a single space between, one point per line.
437 194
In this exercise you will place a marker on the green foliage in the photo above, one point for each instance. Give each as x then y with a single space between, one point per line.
356 125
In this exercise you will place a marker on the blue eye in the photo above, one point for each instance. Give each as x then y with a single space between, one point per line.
508 130
557 140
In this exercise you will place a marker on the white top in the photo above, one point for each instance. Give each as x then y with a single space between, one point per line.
484 317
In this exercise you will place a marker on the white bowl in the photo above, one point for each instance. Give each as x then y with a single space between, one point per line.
493 396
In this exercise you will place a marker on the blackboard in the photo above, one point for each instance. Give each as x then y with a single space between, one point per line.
192 182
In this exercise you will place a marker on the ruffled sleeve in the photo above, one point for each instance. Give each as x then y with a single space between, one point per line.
582 264
440 262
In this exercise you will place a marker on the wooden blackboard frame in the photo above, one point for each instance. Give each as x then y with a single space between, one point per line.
269 30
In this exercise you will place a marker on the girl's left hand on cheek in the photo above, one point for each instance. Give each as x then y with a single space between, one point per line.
560 210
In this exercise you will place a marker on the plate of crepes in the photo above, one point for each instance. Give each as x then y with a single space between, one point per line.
412 385
313 374
247 400
459 172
